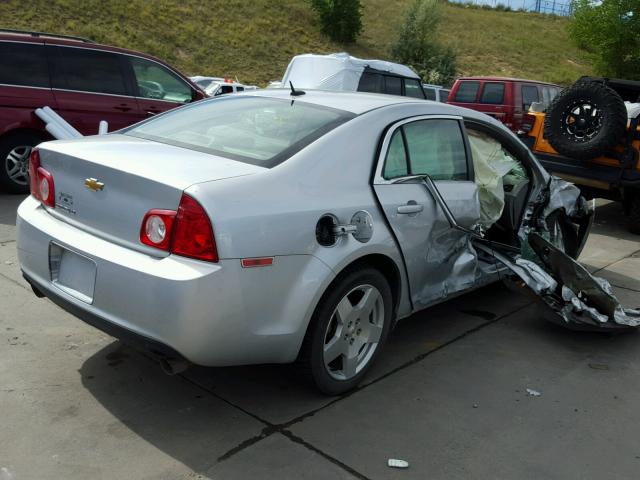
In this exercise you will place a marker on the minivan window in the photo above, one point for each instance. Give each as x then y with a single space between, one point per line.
87 70
256 130
392 85
493 93
412 88
23 64
530 95
430 93
370 82
467 92
157 82
436 147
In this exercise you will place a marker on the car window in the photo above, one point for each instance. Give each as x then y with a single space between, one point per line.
23 64
493 93
88 71
395 165
430 93
224 89
436 147
255 130
412 88
467 92
444 94
392 85
530 95
239 89
370 82
156 82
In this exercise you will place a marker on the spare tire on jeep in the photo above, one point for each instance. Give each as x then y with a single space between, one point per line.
586 120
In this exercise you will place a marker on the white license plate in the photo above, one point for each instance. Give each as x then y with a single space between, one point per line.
72 273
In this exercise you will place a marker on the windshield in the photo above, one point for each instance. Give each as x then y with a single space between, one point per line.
255 130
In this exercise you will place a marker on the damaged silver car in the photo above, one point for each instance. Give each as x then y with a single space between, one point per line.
287 226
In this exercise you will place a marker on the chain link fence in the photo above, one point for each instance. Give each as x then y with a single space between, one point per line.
552 7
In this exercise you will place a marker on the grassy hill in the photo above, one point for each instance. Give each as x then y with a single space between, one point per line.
255 40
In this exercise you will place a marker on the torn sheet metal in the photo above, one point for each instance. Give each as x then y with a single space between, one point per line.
573 296
562 196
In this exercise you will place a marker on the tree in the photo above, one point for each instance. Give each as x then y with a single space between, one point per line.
610 30
418 47
341 20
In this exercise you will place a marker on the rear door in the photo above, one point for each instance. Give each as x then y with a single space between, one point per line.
492 101
89 86
158 89
437 258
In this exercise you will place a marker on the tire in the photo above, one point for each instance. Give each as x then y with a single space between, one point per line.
561 233
14 161
364 298
585 121
634 214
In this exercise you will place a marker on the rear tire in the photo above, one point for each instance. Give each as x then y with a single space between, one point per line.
351 323
585 121
15 149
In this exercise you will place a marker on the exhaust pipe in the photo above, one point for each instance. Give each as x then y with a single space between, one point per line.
173 366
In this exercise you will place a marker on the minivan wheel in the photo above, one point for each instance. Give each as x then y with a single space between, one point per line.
14 157
347 331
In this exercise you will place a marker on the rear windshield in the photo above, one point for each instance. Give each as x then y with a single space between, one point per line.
255 130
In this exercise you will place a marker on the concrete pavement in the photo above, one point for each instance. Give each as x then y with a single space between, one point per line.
448 395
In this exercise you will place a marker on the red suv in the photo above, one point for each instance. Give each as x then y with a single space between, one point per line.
84 82
507 99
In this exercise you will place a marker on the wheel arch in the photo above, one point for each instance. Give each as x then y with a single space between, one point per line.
26 131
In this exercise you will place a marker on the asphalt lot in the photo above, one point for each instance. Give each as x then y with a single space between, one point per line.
449 395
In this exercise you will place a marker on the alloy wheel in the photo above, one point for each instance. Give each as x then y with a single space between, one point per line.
16 164
353 332
583 120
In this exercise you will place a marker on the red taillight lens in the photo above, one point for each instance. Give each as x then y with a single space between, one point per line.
193 236
41 181
34 164
187 232
157 228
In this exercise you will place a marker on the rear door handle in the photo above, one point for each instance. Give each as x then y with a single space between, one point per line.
409 208
123 108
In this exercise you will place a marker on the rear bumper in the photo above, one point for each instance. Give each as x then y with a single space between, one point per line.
209 314
591 174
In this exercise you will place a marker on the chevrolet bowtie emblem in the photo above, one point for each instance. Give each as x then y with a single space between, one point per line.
93 184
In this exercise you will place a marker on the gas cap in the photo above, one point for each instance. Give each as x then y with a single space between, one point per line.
363 222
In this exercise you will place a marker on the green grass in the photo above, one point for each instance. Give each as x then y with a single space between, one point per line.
255 40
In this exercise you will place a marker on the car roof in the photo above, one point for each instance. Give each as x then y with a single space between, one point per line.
505 79
354 102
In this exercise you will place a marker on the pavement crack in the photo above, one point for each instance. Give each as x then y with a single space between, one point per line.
326 456
266 432
13 281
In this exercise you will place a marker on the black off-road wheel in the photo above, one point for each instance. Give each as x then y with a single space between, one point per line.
348 329
585 121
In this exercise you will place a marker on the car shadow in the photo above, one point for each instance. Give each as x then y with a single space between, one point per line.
8 207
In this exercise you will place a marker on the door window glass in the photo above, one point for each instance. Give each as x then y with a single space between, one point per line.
529 95
493 93
412 88
395 165
23 64
88 71
156 82
370 82
436 147
393 85
239 89
444 95
467 92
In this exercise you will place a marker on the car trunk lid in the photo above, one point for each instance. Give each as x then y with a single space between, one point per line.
105 185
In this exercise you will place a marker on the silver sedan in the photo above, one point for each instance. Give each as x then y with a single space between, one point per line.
283 226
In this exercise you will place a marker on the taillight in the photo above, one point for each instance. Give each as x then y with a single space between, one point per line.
193 235
187 232
157 227
41 181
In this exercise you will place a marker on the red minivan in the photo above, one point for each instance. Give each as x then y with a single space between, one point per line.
507 99
81 80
